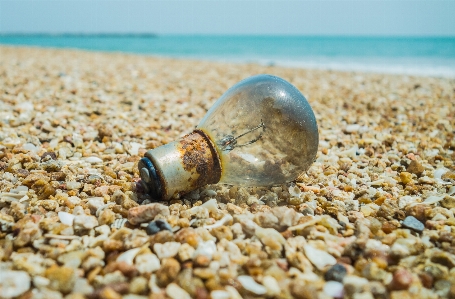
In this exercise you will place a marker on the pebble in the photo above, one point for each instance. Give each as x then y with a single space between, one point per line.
354 284
412 223
272 286
402 279
93 160
186 252
147 263
448 202
84 222
251 285
146 213
318 257
66 218
415 167
14 283
167 272
176 292
157 226
405 177
61 278
352 128
94 204
433 199
72 185
336 273
166 250
300 289
128 256
207 248
219 294
334 289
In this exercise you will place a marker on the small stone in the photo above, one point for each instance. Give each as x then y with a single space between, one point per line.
82 286
336 273
93 160
354 284
157 226
168 272
251 285
201 261
218 294
334 289
365 295
272 286
448 202
61 278
166 250
66 218
186 252
442 288
94 204
176 292
300 289
109 293
71 185
207 248
138 285
147 263
13 283
412 223
27 234
106 217
84 222
222 232
318 257
270 237
128 256
146 213
48 204
6 223
415 168
402 279
443 258
405 177
187 235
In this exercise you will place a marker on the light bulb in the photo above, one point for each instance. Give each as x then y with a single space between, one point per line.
261 132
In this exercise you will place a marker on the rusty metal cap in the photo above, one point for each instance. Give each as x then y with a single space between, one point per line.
149 178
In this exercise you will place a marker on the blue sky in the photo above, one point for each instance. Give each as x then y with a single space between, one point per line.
383 18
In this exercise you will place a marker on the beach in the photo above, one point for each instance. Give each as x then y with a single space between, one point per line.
373 217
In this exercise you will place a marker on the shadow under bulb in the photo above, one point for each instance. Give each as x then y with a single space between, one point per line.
261 132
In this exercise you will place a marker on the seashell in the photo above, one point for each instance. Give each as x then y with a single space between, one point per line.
119 223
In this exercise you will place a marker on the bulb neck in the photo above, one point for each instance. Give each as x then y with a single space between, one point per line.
180 166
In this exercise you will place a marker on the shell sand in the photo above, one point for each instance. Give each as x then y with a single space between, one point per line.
372 218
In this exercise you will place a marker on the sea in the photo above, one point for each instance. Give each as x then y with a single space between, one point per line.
421 56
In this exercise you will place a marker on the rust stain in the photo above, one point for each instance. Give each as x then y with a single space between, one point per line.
200 158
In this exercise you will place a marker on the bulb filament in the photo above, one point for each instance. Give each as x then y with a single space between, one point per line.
229 142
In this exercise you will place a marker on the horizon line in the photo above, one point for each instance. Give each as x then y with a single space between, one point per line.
154 35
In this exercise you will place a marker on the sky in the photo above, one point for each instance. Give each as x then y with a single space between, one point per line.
260 17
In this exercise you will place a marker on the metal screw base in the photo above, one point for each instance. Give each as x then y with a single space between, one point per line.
150 180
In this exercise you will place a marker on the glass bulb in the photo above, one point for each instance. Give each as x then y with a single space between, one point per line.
261 132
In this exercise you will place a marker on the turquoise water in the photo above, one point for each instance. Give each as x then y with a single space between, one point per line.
419 56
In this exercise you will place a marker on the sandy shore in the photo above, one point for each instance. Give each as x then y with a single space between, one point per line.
372 218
